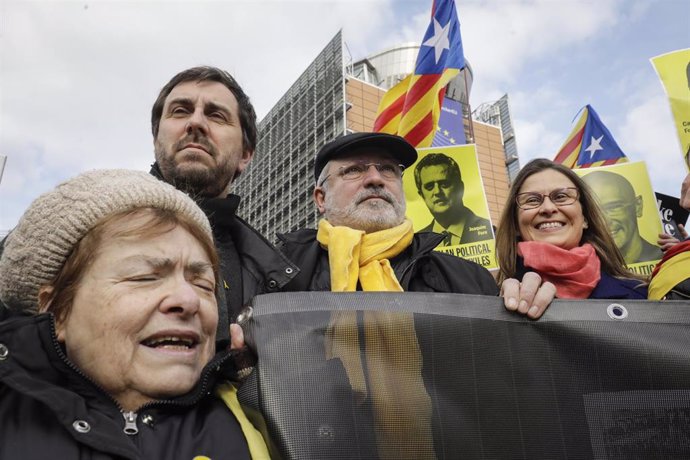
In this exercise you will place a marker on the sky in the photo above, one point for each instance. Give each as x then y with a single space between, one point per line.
78 78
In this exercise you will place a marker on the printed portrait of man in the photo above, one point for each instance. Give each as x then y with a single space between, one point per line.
439 183
622 209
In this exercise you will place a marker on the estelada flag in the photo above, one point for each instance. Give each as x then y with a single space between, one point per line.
589 144
412 108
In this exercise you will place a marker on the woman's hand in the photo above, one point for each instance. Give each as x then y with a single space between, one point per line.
529 297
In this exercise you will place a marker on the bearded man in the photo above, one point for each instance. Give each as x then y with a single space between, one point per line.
204 135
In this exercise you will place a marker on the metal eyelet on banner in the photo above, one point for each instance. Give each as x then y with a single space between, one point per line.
245 315
617 311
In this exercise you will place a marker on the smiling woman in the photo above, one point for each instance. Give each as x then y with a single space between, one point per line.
551 224
111 280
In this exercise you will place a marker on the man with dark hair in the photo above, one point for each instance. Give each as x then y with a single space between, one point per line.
204 135
439 183
622 208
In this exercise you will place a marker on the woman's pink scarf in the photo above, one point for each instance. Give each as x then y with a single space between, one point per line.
575 272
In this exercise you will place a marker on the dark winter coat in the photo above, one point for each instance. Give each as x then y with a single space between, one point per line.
49 409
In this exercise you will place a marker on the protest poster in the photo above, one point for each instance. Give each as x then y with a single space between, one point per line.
629 204
674 72
445 194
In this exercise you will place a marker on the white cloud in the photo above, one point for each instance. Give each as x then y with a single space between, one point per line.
501 39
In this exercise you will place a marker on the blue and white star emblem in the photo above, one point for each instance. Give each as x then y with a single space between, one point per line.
595 145
439 41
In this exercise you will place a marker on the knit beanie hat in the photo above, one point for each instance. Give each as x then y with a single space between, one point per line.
51 227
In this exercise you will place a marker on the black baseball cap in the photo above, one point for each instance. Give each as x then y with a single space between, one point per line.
396 146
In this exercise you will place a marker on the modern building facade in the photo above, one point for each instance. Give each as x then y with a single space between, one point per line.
498 114
277 187
334 96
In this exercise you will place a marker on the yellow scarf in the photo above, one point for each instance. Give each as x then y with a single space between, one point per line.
671 272
401 406
354 255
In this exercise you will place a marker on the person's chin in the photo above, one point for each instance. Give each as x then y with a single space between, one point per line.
173 382
439 210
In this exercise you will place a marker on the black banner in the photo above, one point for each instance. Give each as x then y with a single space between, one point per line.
590 379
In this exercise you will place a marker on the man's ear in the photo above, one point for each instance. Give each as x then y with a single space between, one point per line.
638 206
246 157
319 197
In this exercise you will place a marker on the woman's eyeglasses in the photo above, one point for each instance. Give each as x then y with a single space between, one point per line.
559 197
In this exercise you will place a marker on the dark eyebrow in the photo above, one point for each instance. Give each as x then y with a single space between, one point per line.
212 107
181 100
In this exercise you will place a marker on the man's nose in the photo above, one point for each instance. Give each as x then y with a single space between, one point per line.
181 298
197 122
372 176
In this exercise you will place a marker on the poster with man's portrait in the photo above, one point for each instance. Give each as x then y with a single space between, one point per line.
629 205
445 194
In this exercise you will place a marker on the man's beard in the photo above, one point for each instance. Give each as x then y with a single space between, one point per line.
369 216
201 181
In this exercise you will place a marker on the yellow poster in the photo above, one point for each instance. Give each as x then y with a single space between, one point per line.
674 72
445 194
629 204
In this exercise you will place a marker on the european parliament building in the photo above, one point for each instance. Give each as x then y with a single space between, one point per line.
336 95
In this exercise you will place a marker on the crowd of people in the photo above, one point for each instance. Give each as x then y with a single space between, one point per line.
119 289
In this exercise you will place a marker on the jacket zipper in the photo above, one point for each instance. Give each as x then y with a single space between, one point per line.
130 423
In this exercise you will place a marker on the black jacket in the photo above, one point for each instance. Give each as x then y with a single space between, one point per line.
250 264
49 409
418 268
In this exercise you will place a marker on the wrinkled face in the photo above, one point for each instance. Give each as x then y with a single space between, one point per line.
685 193
199 144
441 192
143 321
561 226
620 209
370 203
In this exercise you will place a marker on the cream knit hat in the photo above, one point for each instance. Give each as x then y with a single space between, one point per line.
38 247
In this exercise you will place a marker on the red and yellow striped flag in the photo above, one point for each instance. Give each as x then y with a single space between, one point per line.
412 108
589 144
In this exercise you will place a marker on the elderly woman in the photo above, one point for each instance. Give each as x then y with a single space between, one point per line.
110 348
552 225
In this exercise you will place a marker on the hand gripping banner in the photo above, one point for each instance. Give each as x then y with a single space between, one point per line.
447 376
